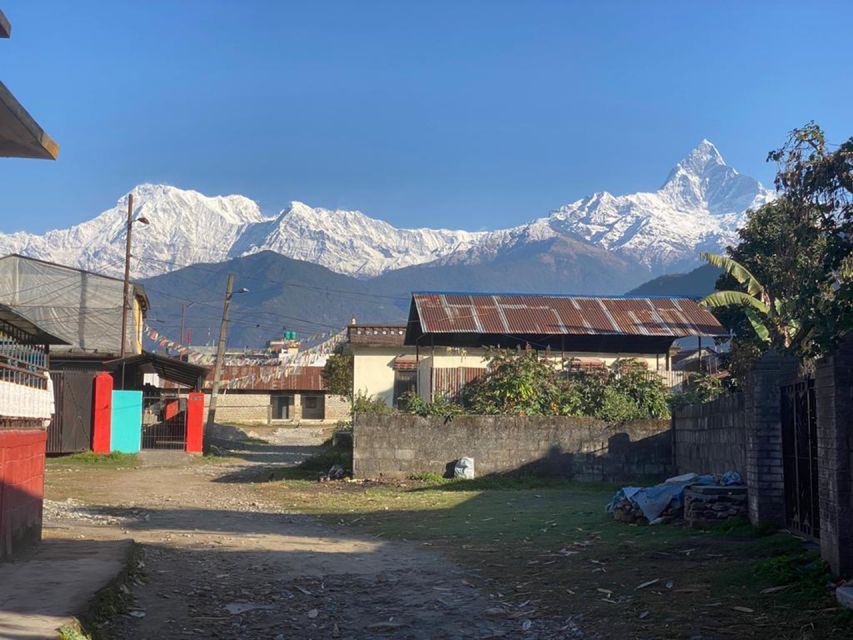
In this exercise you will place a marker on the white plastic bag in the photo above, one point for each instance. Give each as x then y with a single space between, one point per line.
464 468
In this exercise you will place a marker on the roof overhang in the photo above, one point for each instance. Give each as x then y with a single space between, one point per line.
20 134
171 369
36 334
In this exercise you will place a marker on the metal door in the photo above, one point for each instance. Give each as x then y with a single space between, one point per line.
70 429
799 452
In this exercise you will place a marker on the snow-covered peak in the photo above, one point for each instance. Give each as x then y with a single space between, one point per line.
349 241
704 180
699 207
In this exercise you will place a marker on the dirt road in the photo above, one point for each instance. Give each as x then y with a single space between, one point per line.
219 563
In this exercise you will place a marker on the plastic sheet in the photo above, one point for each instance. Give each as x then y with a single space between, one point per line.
82 308
19 401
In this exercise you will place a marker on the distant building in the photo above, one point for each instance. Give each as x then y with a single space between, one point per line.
273 394
81 307
445 343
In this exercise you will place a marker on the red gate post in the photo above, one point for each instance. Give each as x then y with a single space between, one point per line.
195 422
102 413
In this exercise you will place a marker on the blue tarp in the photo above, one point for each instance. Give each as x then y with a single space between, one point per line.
653 501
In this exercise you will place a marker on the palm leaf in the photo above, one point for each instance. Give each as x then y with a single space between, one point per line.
728 298
737 271
758 326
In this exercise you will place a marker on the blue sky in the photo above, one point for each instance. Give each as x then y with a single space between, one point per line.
458 114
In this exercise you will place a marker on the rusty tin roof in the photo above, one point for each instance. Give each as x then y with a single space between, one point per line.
532 314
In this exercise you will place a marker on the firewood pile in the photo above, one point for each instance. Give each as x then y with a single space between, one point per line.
627 511
705 505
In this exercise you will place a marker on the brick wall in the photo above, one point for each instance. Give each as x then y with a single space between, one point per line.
21 488
765 475
834 403
711 437
742 433
581 448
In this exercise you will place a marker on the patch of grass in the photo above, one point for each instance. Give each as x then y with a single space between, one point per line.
114 459
551 542
72 632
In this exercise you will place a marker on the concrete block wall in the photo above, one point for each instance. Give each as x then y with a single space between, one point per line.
398 446
765 475
21 488
834 404
241 407
256 407
711 437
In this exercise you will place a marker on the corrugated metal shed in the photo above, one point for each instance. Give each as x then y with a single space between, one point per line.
544 315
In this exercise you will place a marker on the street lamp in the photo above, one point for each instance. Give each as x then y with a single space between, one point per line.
126 298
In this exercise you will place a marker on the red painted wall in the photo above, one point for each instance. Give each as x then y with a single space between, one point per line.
21 488
102 413
171 409
195 422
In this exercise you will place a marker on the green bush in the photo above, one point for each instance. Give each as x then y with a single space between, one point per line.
699 388
362 403
411 402
527 383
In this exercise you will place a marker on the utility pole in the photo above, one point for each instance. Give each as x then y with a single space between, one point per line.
182 325
217 370
126 277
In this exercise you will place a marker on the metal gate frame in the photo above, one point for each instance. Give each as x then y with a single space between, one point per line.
799 457
164 421
70 429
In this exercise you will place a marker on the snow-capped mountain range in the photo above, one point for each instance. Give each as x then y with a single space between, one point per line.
699 207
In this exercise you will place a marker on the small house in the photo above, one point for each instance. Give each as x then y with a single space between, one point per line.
446 342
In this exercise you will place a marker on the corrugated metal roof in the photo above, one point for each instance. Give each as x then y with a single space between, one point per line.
272 378
526 314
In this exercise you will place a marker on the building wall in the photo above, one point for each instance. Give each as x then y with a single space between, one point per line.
398 446
255 407
373 372
711 437
21 488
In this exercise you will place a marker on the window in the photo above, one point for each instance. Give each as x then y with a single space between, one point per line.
311 402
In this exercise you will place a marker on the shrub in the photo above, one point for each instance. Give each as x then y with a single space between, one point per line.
699 388
411 402
362 403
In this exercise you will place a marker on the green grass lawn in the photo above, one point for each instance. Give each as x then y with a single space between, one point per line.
114 459
552 544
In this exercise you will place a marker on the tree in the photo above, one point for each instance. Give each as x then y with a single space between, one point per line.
787 283
337 373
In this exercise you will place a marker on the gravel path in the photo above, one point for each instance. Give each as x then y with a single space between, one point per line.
218 563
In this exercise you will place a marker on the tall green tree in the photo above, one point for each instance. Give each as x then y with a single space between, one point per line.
792 264
337 373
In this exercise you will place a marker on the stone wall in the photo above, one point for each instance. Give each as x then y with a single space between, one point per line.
711 437
398 446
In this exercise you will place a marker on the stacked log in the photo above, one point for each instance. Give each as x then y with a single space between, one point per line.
627 511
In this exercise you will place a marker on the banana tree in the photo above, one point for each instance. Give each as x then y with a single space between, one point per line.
764 312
